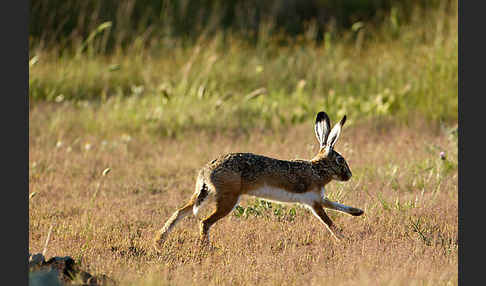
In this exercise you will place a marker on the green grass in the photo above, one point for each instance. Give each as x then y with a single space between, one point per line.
154 114
224 83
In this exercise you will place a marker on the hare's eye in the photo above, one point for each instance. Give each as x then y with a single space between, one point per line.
339 160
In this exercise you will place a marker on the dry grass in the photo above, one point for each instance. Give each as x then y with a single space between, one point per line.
408 235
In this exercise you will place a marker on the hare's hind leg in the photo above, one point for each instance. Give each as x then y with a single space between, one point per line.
226 185
171 222
224 205
319 212
198 198
342 208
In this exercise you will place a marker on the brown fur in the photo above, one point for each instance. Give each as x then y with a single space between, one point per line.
232 175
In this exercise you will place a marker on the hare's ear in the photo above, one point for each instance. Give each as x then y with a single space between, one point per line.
334 134
322 128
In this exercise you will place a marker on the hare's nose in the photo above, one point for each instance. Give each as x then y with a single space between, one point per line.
348 176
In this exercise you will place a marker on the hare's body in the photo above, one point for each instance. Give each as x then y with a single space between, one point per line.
230 176
258 173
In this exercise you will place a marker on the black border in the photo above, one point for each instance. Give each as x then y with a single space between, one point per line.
14 117
471 171
460 139
15 52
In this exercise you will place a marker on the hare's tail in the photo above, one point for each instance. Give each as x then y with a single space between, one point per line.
202 195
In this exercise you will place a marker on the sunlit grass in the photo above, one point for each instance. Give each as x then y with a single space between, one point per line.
408 234
225 83
115 143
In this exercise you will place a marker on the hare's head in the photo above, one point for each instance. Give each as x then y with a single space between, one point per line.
331 161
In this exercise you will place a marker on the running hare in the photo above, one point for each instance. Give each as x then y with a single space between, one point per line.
297 181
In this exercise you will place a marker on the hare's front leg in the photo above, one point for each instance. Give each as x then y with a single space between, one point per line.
319 212
342 208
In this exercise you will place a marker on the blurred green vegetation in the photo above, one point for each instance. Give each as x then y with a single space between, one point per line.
67 23
168 66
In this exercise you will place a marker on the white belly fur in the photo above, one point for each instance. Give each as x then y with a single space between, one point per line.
283 196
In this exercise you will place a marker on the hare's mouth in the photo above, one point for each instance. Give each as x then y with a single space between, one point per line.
346 177
341 177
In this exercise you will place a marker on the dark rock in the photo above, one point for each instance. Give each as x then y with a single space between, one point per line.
62 271
42 278
36 259
65 265
84 276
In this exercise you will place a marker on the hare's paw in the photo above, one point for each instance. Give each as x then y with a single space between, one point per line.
159 241
355 211
157 246
337 233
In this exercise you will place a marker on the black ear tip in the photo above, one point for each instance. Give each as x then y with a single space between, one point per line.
343 120
321 116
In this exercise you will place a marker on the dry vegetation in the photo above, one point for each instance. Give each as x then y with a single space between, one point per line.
407 236
154 114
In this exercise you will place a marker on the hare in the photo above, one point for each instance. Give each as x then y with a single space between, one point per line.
298 181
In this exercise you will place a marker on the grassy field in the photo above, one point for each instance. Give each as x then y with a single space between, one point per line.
155 115
407 236
223 83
